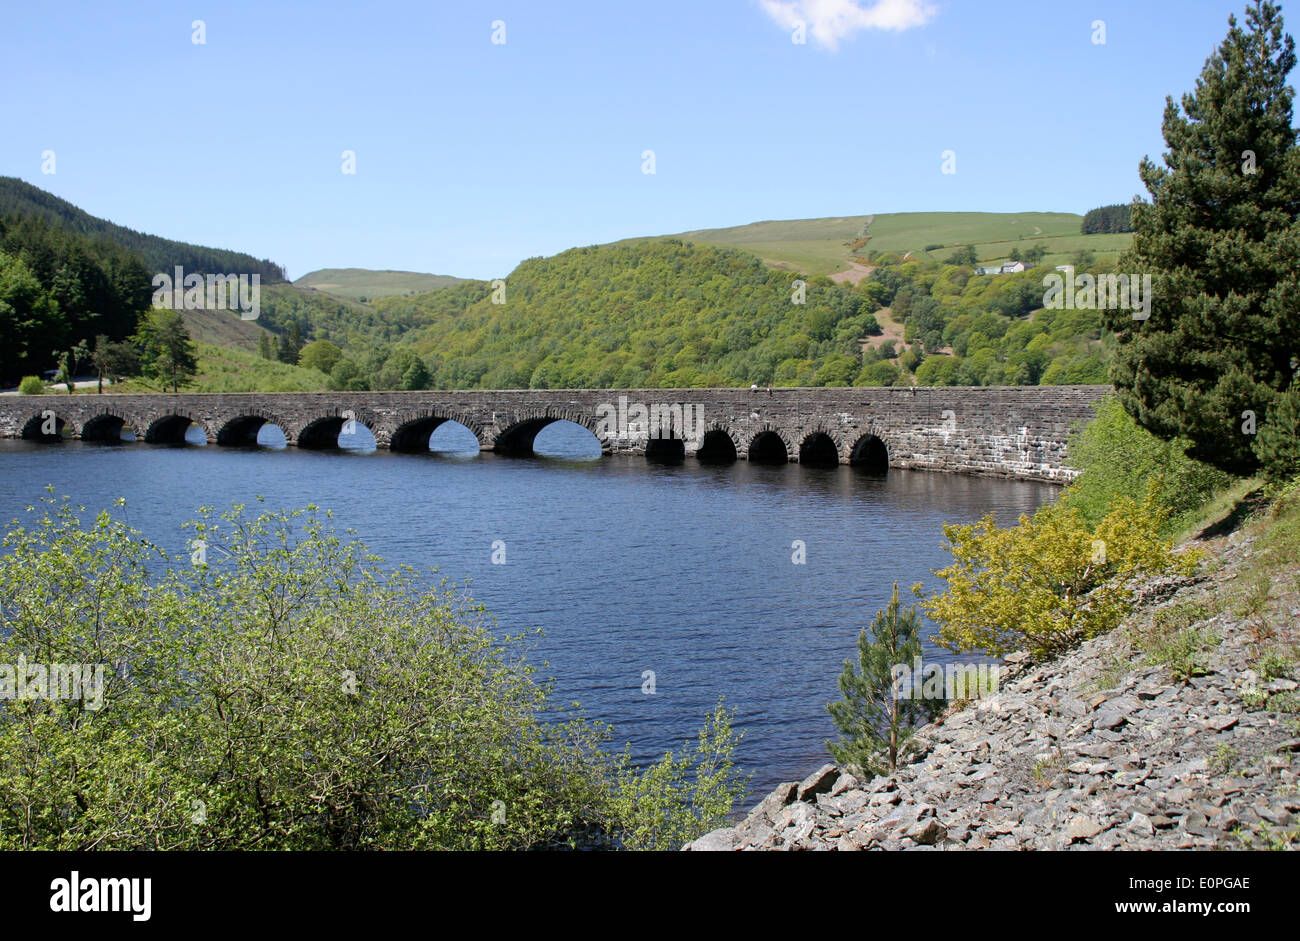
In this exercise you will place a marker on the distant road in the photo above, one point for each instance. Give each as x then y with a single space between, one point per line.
79 383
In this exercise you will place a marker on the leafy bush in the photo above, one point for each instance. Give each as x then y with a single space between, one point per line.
1117 457
880 373
31 385
1050 581
278 690
681 796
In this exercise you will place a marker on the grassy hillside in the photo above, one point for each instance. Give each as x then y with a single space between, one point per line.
223 328
228 369
824 246
363 284
159 254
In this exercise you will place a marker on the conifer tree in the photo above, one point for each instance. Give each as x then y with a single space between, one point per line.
878 715
167 352
1278 444
1221 242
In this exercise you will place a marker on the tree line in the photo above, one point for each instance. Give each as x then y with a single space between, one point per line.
18 197
59 291
1108 220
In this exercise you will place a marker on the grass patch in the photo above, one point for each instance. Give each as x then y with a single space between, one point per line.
1224 513
1047 770
1265 836
1223 759
1279 534
1115 669
1175 638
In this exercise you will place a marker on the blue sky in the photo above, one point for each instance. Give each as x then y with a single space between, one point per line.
471 156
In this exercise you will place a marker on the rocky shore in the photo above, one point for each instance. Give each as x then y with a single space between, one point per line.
1103 748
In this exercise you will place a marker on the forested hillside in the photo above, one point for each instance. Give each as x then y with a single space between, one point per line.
158 254
661 313
668 313
959 328
57 289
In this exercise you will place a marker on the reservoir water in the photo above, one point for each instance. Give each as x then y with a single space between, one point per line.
628 566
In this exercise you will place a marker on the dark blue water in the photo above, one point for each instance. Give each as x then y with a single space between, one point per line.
627 566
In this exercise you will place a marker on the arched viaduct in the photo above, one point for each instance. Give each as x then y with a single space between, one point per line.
1017 431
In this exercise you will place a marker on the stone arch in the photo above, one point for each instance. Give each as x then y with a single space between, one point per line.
665 450
517 435
719 446
169 427
34 429
870 452
769 446
820 447
321 433
241 430
108 426
411 428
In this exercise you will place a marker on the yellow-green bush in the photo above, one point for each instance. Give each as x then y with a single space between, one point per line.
1050 581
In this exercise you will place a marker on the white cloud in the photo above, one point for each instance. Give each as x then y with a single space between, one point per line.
829 21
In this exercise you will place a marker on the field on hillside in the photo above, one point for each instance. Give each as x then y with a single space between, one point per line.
821 246
223 369
223 328
362 284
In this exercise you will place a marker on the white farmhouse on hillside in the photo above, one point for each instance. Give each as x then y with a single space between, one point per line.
1010 267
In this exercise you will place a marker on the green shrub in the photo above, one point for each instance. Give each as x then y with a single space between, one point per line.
321 355
277 690
1118 458
881 373
683 795
31 385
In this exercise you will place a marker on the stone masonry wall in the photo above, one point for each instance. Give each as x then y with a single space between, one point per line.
1007 432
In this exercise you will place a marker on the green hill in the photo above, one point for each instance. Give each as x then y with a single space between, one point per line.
20 198
655 313
712 307
364 284
666 313
824 246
